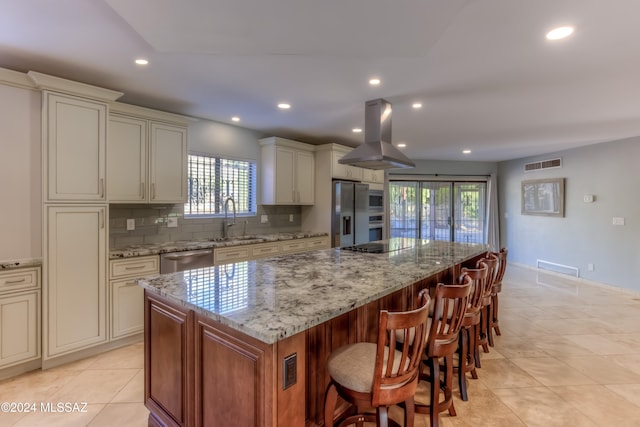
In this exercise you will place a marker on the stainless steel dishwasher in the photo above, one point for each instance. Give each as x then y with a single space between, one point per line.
179 261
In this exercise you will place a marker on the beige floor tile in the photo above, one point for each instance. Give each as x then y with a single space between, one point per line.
60 419
121 414
95 386
539 406
129 357
559 346
629 392
550 371
600 404
133 391
601 344
35 386
602 369
502 373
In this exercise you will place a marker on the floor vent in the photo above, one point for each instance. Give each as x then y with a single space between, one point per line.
558 268
543 164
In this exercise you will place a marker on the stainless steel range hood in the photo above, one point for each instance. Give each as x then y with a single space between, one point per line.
377 152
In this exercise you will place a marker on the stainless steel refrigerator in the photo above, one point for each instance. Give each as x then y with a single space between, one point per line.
350 223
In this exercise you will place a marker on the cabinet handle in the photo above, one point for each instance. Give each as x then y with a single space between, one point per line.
101 215
232 254
137 267
153 191
142 190
101 187
129 284
15 281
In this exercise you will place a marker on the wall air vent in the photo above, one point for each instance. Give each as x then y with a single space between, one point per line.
543 164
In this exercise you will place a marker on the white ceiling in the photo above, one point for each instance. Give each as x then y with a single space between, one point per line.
488 79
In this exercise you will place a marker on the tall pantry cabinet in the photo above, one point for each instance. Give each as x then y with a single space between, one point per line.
74 214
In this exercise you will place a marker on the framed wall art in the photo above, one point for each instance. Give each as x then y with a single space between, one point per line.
543 197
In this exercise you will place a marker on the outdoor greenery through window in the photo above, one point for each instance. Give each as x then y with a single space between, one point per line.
212 180
438 210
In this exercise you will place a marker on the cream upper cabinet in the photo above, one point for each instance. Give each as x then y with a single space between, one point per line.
373 176
146 161
167 164
339 170
74 300
288 172
74 148
127 159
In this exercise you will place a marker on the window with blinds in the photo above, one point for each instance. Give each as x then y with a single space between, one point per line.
212 180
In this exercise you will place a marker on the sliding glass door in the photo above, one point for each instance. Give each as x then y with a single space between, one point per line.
438 210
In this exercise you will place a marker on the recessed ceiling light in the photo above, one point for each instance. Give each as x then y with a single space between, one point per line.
235 119
416 105
374 82
466 151
402 145
356 130
142 61
284 106
559 33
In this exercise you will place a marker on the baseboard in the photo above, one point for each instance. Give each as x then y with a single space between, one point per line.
22 368
91 351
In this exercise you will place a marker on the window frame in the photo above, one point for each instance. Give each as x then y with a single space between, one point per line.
251 188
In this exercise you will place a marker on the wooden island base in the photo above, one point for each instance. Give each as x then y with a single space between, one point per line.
199 372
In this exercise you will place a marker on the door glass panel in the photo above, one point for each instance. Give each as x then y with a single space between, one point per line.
438 210
469 209
403 209
435 210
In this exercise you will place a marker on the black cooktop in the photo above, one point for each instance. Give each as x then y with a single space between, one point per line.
381 247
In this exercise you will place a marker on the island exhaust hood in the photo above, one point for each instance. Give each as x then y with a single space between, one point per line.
377 152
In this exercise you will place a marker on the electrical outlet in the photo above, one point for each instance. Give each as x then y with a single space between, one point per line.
618 220
172 222
591 267
264 219
131 224
290 217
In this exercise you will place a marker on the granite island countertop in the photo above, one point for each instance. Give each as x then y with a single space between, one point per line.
271 299
191 245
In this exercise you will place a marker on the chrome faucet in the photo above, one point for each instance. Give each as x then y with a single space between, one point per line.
225 231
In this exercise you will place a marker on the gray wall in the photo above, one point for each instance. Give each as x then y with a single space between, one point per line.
585 235
440 167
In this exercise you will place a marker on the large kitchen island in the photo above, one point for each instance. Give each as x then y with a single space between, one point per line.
245 344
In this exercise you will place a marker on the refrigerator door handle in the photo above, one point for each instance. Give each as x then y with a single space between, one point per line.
346 225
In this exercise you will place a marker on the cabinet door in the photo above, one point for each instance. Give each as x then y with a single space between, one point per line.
305 178
19 332
127 159
339 170
75 298
285 174
168 164
75 148
127 308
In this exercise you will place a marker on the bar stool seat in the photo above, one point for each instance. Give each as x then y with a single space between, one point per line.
378 375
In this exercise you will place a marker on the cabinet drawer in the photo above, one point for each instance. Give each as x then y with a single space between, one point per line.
318 243
264 250
17 280
134 267
232 254
295 246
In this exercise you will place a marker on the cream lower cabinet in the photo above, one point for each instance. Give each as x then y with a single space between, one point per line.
19 316
75 298
127 298
268 249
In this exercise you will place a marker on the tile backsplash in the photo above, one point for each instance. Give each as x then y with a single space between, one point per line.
151 224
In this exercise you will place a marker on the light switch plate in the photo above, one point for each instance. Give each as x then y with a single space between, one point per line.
290 217
264 219
617 220
131 224
172 222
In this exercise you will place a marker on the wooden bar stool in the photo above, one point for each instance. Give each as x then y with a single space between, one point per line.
449 306
471 321
495 290
378 375
492 263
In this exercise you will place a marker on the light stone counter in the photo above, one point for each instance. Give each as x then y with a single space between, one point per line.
275 298
179 246
22 263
